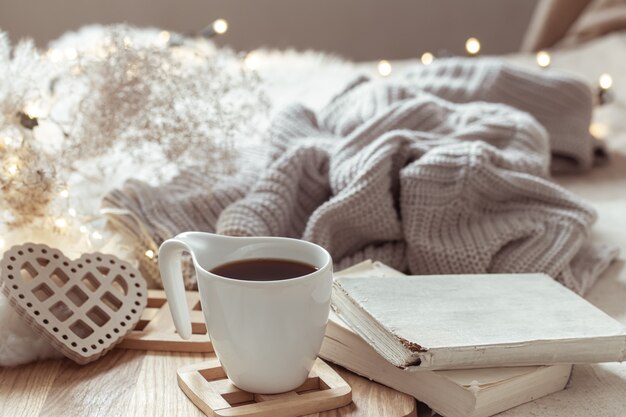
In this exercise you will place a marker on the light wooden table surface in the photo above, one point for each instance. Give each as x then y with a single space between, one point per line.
138 383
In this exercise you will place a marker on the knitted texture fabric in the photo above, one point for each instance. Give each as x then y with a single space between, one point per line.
445 170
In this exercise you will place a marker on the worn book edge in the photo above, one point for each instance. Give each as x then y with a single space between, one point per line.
394 350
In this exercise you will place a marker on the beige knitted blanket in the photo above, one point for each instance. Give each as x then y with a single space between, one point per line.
443 170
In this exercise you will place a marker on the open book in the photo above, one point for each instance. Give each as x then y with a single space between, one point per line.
476 321
454 393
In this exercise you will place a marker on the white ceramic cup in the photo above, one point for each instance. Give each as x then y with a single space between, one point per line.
266 334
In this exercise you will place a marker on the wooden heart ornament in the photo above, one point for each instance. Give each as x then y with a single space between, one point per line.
83 307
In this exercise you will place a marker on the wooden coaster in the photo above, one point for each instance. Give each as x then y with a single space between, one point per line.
156 330
83 307
209 389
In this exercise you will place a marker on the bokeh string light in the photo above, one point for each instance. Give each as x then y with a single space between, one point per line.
164 36
252 61
472 46
427 58
605 81
218 27
384 68
598 130
60 222
12 166
543 59
605 95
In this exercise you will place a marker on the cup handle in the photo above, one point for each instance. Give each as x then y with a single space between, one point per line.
169 265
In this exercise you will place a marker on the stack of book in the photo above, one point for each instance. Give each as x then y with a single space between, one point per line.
466 345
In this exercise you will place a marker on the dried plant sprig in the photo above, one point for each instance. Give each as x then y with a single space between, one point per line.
164 102
182 106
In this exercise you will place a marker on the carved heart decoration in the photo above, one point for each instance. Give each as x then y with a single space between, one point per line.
83 307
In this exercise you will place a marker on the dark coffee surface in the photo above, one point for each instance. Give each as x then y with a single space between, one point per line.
263 269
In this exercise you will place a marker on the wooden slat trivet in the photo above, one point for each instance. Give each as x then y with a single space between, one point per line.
156 330
209 389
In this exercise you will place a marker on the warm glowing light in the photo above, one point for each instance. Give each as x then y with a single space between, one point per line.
427 58
71 211
543 59
55 55
35 110
127 41
598 130
71 54
64 193
96 235
220 26
13 166
61 223
83 229
384 68
12 169
252 61
472 46
164 36
605 81
150 253
7 141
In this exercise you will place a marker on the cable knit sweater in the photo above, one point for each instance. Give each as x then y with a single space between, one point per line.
445 170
